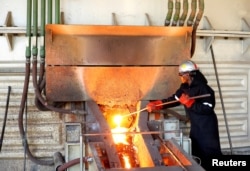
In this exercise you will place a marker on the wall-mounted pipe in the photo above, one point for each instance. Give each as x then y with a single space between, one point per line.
184 13
200 12
35 32
41 78
193 12
196 24
177 12
57 12
27 78
170 12
49 17
28 29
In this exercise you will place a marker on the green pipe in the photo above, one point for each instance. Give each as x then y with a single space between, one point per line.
42 49
170 12
57 12
49 19
177 12
184 13
193 12
28 29
200 13
35 25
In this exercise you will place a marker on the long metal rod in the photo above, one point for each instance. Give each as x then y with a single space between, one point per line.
81 153
174 101
131 133
194 97
221 98
5 117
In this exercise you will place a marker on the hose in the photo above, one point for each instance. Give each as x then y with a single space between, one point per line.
20 117
41 79
72 163
42 100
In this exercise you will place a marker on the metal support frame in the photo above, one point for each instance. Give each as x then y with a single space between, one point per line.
209 33
8 30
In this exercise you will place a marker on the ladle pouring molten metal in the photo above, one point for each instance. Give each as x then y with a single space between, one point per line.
125 148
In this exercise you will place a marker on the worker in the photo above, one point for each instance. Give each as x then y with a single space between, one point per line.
204 133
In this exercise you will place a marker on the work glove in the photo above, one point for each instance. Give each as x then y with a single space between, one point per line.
154 105
185 100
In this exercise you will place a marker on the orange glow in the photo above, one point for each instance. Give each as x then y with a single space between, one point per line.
121 139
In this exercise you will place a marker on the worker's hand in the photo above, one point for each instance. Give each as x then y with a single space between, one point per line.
154 105
185 100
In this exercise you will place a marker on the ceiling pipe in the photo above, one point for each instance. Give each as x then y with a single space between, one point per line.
49 17
177 12
35 33
196 24
193 12
170 12
57 12
184 13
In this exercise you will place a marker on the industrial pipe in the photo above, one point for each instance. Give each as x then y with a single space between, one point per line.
192 14
20 117
170 12
41 80
177 12
35 25
49 17
195 26
42 41
200 12
58 160
5 117
28 29
73 162
57 12
184 13
26 84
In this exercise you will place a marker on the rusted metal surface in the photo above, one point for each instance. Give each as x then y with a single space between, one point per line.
113 64
116 45
110 85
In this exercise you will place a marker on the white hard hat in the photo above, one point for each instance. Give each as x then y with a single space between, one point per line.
187 66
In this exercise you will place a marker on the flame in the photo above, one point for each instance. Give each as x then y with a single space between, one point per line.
118 120
119 135
126 161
